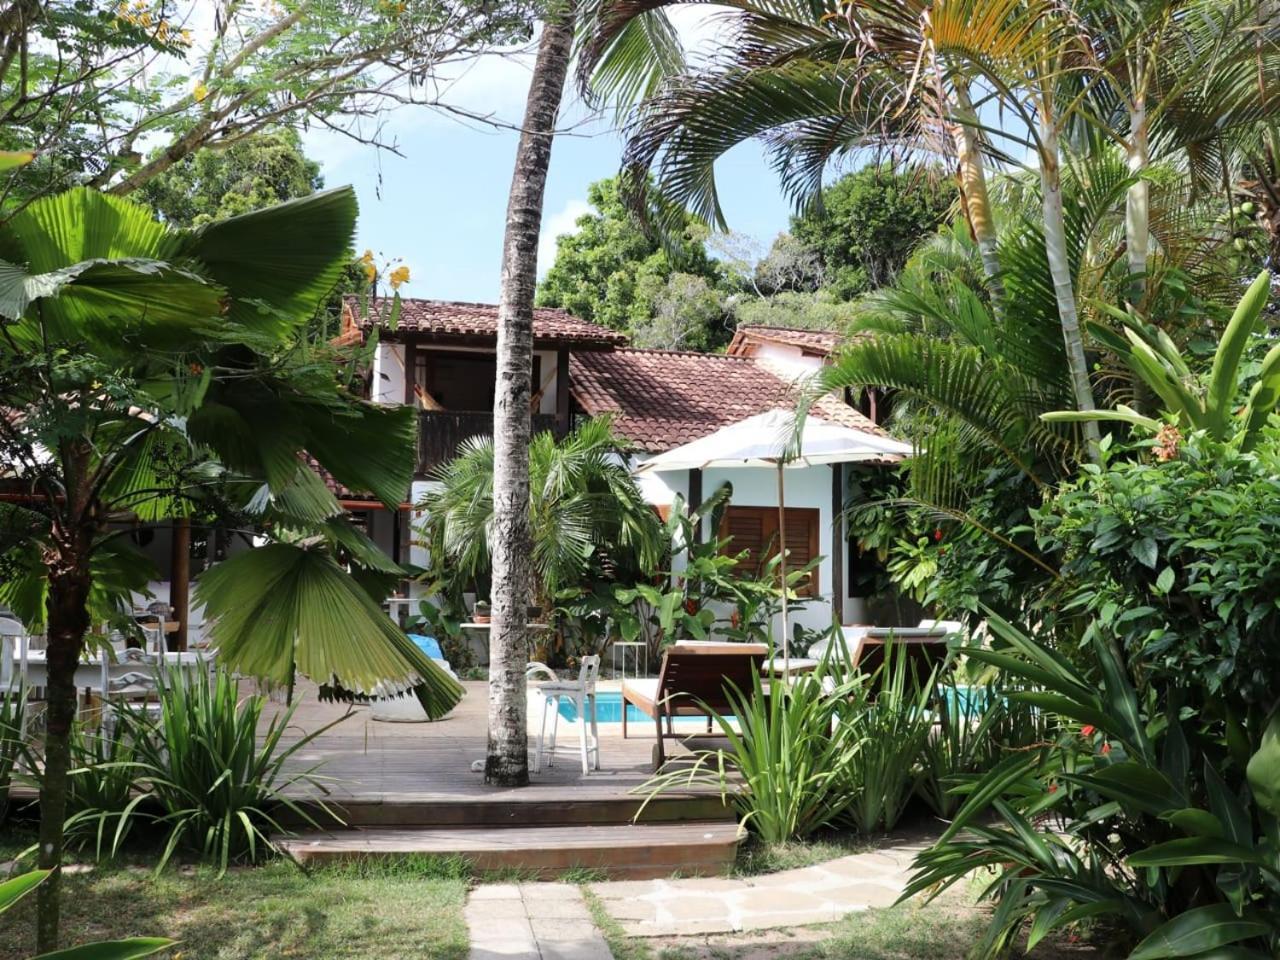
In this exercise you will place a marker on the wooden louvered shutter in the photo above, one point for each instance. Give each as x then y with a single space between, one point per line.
752 530
755 530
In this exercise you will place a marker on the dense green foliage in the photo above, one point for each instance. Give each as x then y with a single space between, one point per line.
614 272
1171 560
213 185
865 225
1165 812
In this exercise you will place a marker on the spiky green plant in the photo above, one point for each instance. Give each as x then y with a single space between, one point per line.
221 779
786 768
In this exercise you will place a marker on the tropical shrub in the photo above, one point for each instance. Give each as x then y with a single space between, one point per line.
220 781
1173 560
202 772
1145 813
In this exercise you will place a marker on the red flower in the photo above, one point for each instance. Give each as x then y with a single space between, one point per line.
1106 748
1053 788
937 533
1087 730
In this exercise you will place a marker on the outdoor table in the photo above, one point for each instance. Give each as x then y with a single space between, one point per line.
482 652
90 674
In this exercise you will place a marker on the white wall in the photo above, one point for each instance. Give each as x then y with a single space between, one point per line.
788 361
388 374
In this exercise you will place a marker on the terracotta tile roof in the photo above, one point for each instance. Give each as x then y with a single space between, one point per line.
447 320
811 341
660 399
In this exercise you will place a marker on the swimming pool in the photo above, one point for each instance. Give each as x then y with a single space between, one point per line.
609 710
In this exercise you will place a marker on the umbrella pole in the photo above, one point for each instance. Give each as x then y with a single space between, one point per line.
782 571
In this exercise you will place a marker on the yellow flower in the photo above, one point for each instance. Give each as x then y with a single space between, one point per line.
398 276
367 257
200 92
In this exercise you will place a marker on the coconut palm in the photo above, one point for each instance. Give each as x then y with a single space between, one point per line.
148 374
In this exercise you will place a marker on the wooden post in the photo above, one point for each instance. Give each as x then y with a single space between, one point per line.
838 543
695 488
180 578
562 392
410 373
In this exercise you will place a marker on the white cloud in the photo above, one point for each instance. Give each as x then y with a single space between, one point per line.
557 225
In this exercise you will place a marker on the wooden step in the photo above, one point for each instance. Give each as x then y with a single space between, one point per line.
634 851
481 811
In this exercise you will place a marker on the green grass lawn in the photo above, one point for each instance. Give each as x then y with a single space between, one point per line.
394 912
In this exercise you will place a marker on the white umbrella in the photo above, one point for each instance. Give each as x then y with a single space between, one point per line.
769 440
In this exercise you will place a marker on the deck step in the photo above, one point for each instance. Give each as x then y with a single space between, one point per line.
639 851
526 812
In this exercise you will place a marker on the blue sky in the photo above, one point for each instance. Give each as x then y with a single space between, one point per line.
441 207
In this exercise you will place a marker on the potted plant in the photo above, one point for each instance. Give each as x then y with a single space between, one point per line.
481 611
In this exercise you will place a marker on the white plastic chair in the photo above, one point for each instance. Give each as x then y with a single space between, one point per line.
15 644
582 694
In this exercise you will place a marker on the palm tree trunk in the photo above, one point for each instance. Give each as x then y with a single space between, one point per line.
1055 243
68 621
973 181
1137 211
507 760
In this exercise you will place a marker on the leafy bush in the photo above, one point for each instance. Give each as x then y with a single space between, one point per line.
1175 560
1165 820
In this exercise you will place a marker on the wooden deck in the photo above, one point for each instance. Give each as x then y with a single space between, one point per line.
404 789
420 774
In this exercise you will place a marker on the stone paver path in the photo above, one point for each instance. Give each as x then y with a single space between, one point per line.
816 894
532 921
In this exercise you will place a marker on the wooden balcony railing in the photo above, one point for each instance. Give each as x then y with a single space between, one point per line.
442 432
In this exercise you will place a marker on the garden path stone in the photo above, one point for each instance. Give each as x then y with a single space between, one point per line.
821 893
532 921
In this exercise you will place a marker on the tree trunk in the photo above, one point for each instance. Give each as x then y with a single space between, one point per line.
1137 211
973 182
1055 244
507 759
68 621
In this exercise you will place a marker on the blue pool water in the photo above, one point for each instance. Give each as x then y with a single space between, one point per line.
609 710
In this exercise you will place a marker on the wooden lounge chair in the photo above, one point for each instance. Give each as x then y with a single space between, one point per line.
694 678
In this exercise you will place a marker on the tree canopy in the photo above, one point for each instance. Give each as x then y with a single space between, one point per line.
613 272
868 222
213 185
90 86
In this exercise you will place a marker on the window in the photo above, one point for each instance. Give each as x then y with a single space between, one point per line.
755 530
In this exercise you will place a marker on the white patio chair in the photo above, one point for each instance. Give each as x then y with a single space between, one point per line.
582 694
14 646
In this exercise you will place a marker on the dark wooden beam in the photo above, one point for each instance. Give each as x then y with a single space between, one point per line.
180 578
562 392
695 488
839 546
410 373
